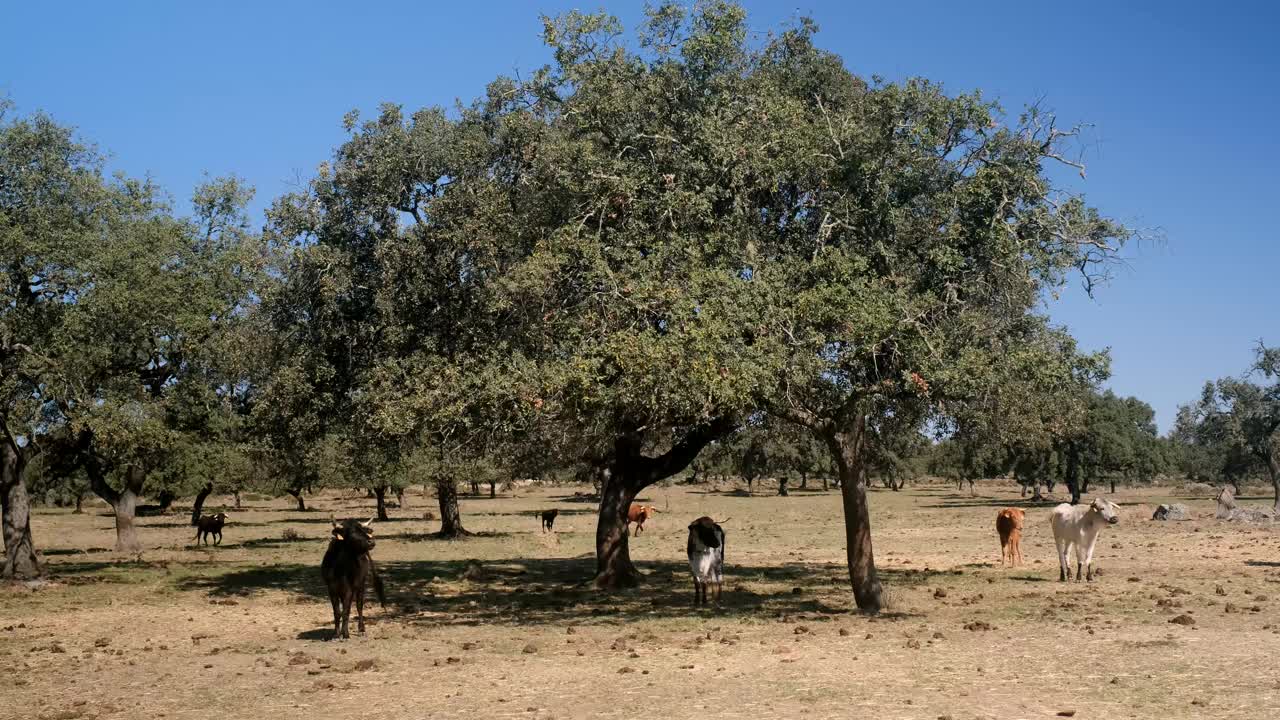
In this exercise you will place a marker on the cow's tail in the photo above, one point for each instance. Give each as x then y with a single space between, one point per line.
377 585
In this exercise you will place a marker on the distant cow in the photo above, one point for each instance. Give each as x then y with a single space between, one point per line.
549 519
1078 526
638 514
210 525
706 558
346 568
1009 526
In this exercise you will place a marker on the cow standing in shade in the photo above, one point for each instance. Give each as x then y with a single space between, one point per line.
346 569
706 558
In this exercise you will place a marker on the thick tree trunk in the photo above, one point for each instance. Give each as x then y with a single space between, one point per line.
123 502
20 561
629 472
1072 476
79 504
782 486
297 495
236 495
1113 485
400 498
614 568
750 480
125 509
804 480
825 485
197 507
493 487
450 515
846 448
380 494
165 500
1273 468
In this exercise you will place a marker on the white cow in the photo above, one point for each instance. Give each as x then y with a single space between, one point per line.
1077 526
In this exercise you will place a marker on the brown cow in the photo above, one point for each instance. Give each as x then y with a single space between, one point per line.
1009 525
638 514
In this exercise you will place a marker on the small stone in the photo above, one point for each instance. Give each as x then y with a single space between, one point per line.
530 649
1183 620
801 630
1219 590
938 636
939 593
366 664
844 632
914 644
1067 713
624 670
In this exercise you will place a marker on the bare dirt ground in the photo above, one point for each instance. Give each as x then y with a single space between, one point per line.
241 630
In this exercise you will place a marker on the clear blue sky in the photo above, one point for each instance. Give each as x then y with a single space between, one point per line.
1185 98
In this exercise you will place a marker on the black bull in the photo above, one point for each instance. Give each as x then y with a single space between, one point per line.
346 568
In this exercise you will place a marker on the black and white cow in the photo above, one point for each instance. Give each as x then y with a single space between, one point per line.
706 558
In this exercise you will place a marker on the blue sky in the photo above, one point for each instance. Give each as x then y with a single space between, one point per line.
1184 99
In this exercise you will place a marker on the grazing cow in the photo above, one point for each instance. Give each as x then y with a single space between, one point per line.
706 558
1078 526
346 568
638 514
210 525
1009 525
549 519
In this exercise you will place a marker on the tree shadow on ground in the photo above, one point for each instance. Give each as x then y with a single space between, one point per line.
965 501
535 514
589 499
521 592
1261 563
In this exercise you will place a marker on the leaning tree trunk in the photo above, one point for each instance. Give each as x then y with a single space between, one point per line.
236 494
380 494
847 448
493 487
825 485
197 508
297 495
450 515
20 561
782 486
79 504
804 480
400 498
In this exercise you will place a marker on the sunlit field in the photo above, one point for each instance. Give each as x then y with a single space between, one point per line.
506 623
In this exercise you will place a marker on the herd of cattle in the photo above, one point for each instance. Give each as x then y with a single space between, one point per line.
348 566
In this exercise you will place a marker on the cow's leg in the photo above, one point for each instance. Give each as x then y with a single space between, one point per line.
346 612
695 592
217 539
1062 559
197 538
337 613
360 609
1079 561
1088 559
1017 548
718 588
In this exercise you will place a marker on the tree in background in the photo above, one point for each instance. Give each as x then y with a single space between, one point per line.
1238 420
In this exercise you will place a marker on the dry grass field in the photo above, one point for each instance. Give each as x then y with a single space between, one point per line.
242 630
